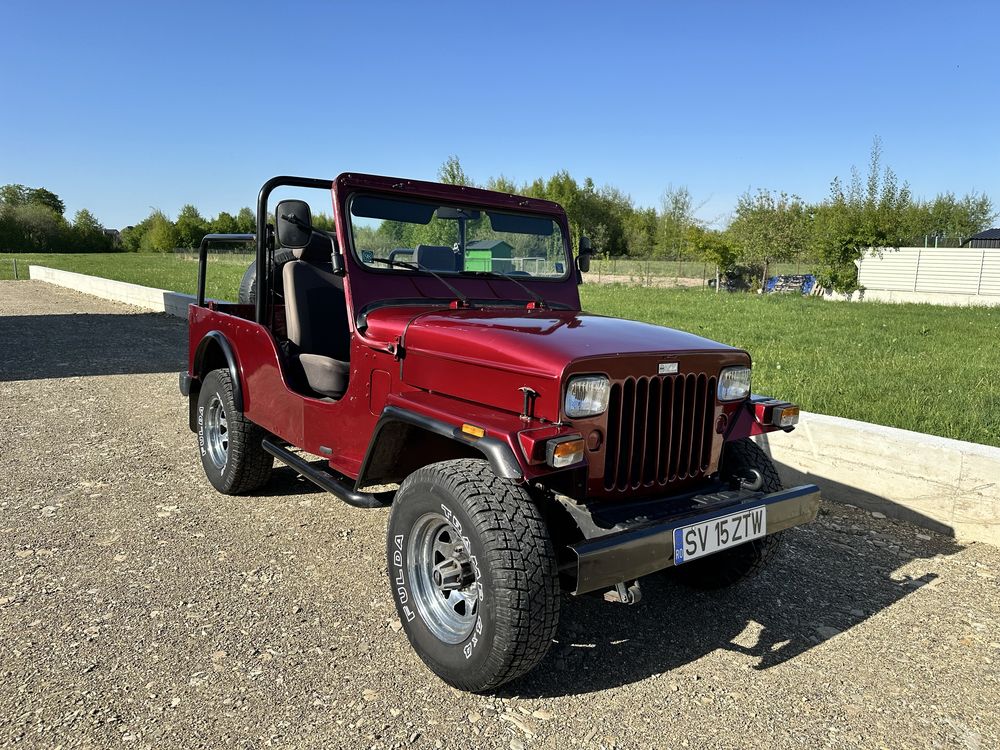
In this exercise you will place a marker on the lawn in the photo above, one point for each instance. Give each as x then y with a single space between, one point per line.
920 367
174 271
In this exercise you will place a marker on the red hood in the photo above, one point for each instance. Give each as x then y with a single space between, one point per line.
543 341
470 353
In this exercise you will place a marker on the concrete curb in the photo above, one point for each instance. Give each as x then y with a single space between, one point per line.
949 486
158 300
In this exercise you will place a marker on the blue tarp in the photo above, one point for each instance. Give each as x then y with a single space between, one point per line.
801 283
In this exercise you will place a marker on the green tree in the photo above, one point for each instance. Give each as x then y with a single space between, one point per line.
948 216
43 197
451 172
132 236
190 227
677 215
224 223
19 195
869 213
88 235
246 221
42 228
161 234
502 184
712 247
769 227
11 233
324 222
13 195
640 232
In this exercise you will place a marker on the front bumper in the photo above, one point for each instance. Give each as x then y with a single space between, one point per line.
646 547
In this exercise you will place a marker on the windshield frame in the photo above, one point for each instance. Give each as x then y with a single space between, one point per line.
557 219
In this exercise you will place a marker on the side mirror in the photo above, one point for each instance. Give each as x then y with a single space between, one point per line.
294 223
583 259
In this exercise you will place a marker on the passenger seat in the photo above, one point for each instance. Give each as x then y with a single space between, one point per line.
316 319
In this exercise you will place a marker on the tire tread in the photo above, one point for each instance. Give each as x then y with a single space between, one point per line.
523 561
249 465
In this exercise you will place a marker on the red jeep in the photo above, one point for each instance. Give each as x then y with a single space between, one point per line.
430 355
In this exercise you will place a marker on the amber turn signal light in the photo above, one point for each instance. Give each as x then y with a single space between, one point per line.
564 451
473 431
785 416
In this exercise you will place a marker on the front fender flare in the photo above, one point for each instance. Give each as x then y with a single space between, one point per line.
500 456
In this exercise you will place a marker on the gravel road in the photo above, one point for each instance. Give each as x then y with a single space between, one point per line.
139 608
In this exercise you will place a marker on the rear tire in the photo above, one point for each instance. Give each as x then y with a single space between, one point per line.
473 574
248 284
744 459
229 443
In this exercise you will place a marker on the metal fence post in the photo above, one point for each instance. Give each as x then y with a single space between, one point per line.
15 268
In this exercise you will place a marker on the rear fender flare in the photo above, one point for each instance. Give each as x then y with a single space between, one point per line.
213 348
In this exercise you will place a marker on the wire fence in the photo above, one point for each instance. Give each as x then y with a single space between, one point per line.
660 272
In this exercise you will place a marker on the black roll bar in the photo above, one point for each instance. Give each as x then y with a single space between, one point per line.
263 267
203 256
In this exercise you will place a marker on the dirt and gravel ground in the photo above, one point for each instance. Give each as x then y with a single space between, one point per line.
139 608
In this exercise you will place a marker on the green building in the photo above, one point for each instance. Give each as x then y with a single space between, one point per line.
489 255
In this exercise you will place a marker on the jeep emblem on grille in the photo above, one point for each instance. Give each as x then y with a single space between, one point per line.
666 368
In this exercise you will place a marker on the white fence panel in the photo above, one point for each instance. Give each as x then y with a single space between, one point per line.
895 270
933 270
990 283
950 269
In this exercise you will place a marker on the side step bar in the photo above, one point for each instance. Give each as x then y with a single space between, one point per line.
327 480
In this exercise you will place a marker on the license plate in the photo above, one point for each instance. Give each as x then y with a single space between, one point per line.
700 539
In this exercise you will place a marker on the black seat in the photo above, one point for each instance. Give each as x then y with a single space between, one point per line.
436 258
316 319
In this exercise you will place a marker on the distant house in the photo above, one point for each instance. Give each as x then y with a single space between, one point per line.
989 238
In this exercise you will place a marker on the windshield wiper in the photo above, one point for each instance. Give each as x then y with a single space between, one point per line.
414 267
539 299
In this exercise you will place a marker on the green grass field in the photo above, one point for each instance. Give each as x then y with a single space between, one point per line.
174 271
919 367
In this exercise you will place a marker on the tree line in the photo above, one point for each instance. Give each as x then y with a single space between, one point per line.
33 220
866 210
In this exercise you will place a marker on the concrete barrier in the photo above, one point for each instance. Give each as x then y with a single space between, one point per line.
158 300
950 486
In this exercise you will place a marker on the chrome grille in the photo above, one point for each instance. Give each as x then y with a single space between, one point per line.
659 430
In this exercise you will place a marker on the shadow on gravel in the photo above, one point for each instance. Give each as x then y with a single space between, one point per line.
826 579
38 347
285 481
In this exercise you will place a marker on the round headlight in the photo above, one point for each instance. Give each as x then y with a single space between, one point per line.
587 396
734 383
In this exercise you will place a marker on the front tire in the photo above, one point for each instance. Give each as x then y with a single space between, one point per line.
745 460
473 573
229 443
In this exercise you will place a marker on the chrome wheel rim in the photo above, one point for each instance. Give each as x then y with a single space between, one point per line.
216 433
442 579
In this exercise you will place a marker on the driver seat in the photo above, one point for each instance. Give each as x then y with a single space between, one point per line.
316 319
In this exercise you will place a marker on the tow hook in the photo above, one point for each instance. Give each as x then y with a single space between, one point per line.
624 593
753 482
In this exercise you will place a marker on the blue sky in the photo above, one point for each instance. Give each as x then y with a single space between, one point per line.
120 107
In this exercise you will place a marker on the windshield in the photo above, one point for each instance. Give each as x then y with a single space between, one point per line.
455 239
